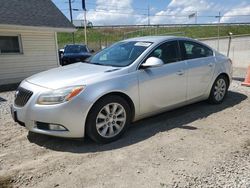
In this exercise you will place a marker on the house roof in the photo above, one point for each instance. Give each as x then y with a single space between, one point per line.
34 13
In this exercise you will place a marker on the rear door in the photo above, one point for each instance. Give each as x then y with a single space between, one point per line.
201 64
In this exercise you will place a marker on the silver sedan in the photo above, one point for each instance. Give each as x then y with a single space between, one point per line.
128 81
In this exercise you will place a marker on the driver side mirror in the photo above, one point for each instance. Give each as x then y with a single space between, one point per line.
152 62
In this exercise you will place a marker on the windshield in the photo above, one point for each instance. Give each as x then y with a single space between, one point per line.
120 54
75 49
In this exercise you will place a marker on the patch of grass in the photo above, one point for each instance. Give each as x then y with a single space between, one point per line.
104 36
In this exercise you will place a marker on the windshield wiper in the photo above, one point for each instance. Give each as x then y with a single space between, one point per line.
86 61
94 63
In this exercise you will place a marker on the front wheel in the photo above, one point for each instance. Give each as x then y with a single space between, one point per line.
218 90
108 119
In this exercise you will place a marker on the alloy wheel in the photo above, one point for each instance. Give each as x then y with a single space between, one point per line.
111 120
220 89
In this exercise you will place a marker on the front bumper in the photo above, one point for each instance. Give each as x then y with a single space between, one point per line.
71 115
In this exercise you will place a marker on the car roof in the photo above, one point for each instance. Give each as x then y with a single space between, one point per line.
159 39
75 45
156 39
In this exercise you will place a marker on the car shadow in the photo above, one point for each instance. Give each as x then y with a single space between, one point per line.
239 79
142 129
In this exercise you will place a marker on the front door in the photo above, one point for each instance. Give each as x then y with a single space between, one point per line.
164 86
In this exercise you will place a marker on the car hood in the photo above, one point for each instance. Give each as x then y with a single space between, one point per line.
76 74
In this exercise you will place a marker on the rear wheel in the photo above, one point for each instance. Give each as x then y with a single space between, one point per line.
108 119
219 90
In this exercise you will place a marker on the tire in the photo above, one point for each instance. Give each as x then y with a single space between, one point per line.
108 119
219 90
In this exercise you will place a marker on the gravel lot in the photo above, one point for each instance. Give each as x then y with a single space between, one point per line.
199 145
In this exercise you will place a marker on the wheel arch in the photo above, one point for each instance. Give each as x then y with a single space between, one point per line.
225 75
216 75
116 93
211 99
127 99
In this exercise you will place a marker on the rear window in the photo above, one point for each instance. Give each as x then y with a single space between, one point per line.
193 50
75 49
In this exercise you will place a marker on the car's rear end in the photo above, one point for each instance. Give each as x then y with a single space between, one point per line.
225 65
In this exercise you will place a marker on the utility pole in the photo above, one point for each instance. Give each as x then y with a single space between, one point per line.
218 42
148 15
85 21
85 26
196 17
71 20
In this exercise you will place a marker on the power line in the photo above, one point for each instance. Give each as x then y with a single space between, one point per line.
162 15
121 7
118 7
137 8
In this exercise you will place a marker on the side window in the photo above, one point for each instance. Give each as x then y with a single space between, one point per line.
192 50
167 52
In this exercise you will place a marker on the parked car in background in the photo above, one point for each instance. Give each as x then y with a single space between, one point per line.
125 82
75 53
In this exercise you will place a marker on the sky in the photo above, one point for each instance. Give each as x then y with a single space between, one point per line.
135 12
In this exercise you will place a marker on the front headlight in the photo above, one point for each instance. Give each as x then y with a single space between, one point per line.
59 95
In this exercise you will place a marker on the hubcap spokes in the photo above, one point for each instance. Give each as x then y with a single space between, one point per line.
220 89
110 120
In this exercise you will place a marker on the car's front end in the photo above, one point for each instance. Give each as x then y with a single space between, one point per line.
60 112
56 102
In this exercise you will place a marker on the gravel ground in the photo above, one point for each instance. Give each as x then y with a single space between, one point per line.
199 145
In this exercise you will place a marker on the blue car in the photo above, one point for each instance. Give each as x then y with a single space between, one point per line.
74 53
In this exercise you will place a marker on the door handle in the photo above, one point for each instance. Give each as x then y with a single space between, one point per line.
180 72
210 64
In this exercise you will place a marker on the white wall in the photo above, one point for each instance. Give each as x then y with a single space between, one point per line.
239 51
39 54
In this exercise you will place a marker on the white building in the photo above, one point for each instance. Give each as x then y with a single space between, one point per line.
28 38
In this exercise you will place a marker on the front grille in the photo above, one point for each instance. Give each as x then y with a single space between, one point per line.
22 96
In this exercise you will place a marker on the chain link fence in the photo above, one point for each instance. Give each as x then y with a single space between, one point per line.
214 35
